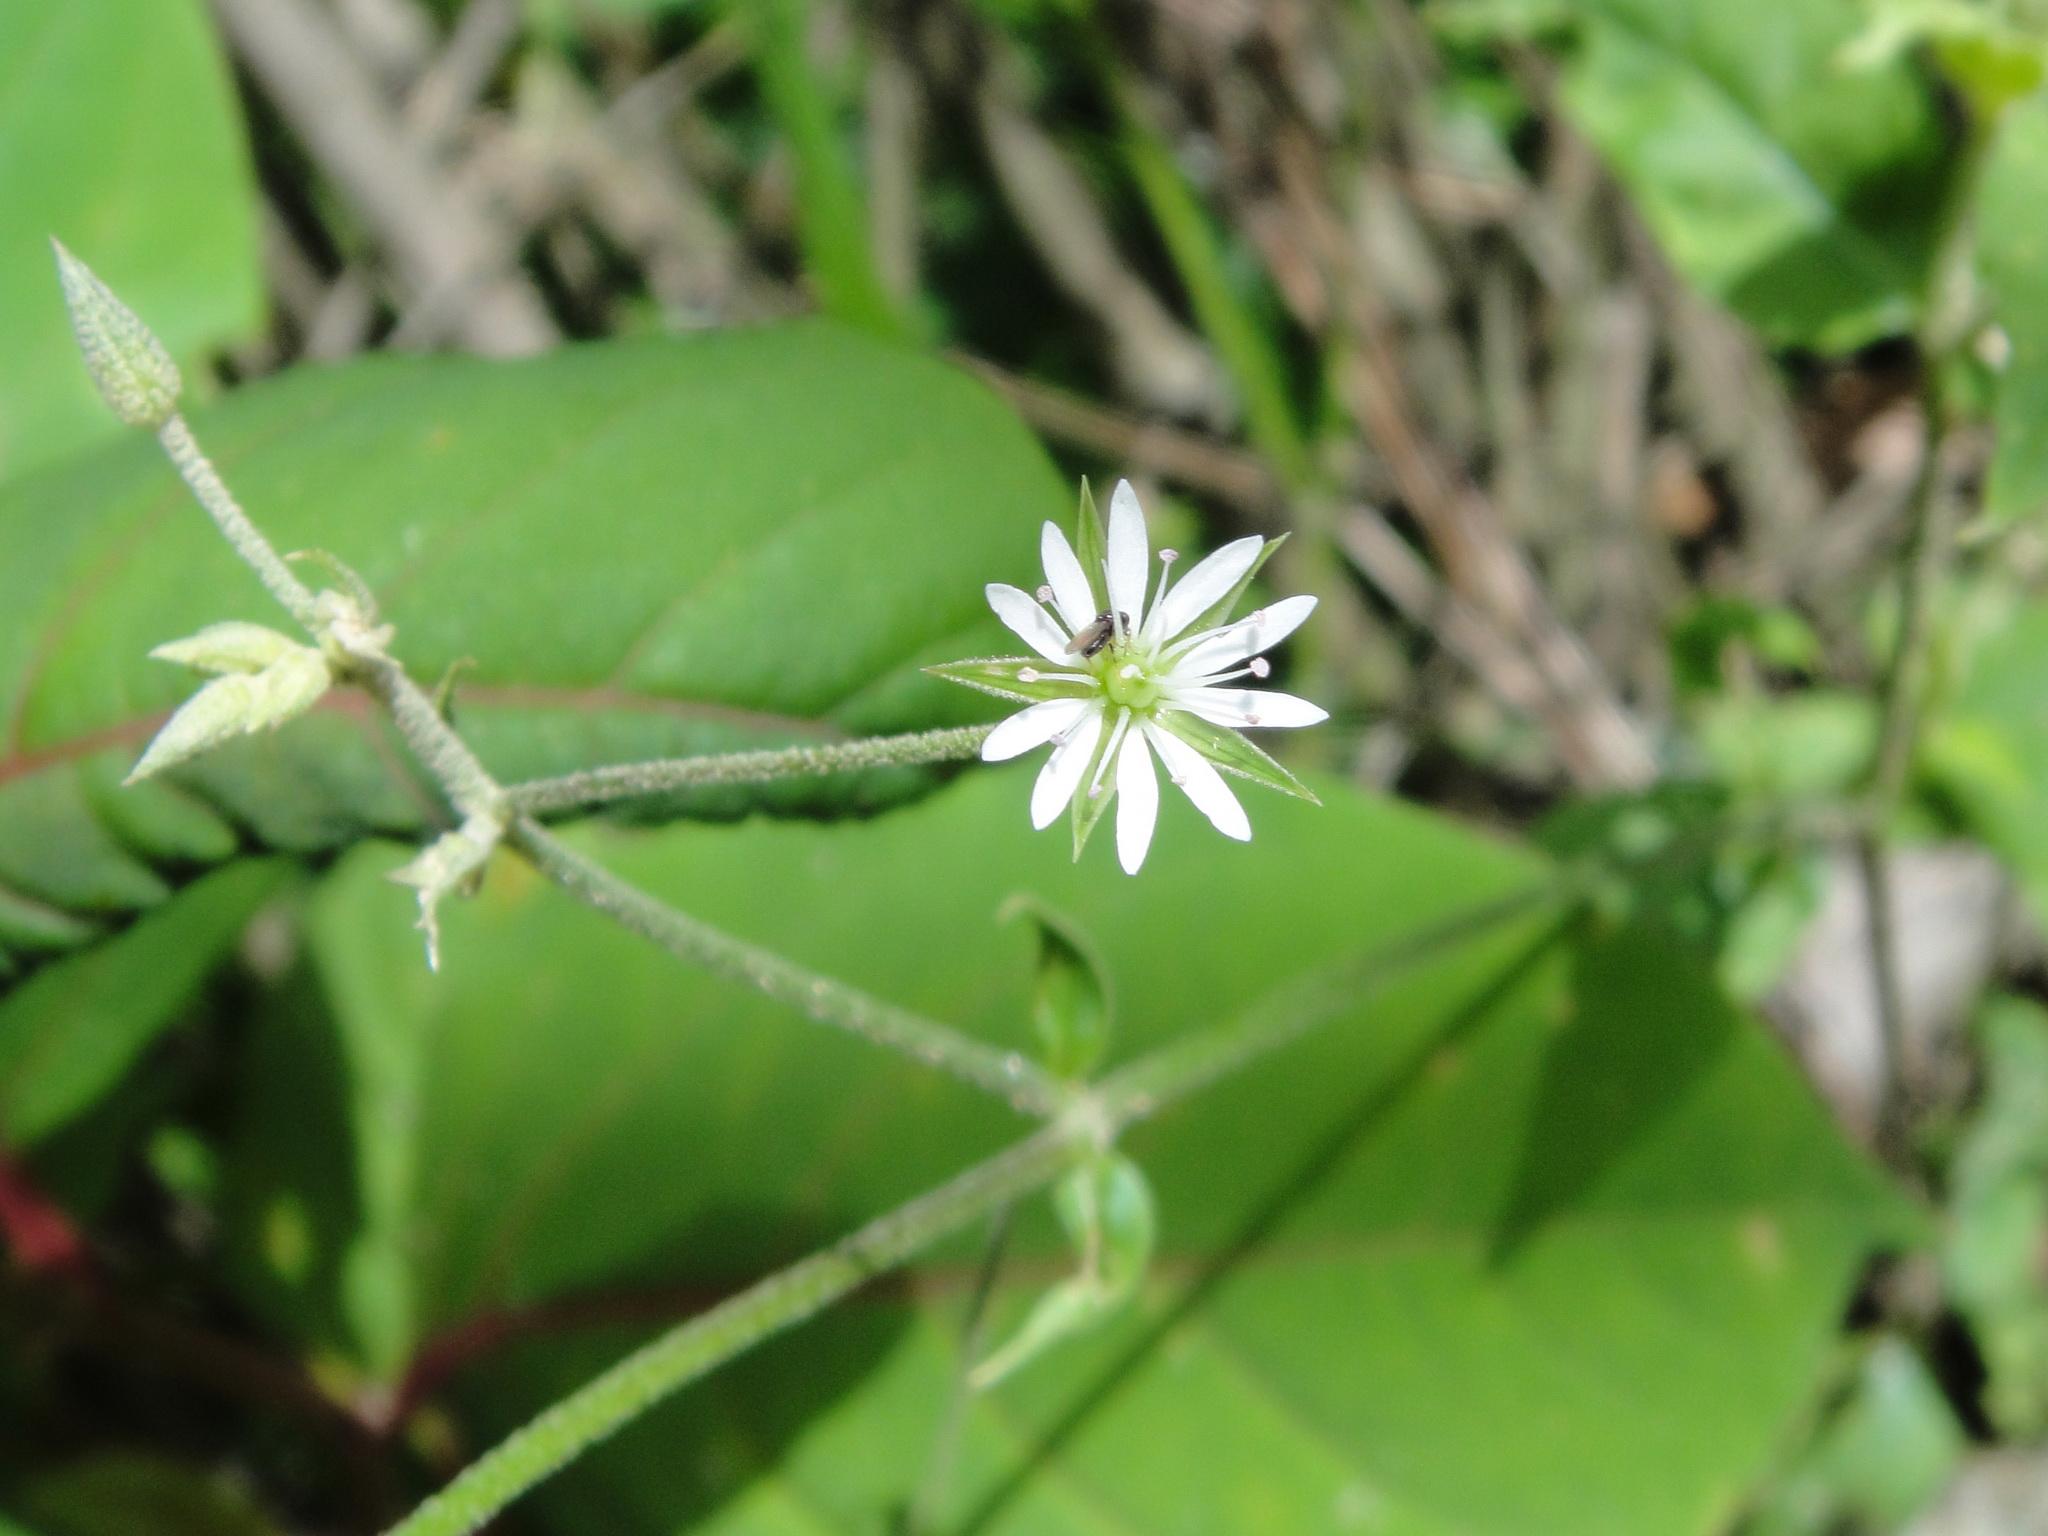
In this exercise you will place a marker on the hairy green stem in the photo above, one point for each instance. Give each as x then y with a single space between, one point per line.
620 781
471 788
1300 1007
439 747
197 471
695 1348
1011 1076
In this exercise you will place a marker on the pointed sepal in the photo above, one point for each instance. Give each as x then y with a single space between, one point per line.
1231 752
1027 679
237 704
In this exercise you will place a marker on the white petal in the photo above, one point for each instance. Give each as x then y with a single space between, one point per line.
1033 625
1137 802
1204 586
1071 593
1255 707
1033 727
1061 775
1222 648
1201 784
1127 554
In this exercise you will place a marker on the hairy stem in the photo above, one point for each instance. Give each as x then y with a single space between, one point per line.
1299 1008
439 747
696 1348
197 471
1022 1082
620 781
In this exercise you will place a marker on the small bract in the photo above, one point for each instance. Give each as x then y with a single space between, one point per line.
1119 680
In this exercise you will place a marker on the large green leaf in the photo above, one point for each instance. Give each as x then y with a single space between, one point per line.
1799 193
70 1031
645 548
1544 1237
2014 252
120 135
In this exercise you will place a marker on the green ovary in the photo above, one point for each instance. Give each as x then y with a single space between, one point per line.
1140 692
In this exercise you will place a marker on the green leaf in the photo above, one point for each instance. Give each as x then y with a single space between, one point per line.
121 135
1526 1170
2013 257
831 211
119 1493
1998 1227
1802 195
1881 1456
649 549
70 1031
1986 754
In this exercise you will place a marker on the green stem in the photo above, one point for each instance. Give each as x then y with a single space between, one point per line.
694 1349
1198 256
197 471
460 773
620 781
698 1347
1022 1082
1302 1006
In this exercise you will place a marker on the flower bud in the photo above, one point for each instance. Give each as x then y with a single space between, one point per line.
129 366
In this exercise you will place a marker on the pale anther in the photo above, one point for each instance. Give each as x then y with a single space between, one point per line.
1027 674
1044 593
1168 556
1260 667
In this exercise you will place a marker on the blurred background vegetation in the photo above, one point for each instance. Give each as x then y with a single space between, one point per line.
1656 394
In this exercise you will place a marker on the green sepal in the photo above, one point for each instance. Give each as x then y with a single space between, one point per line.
1231 752
1070 1002
237 704
1091 547
1000 675
232 646
1218 613
1086 809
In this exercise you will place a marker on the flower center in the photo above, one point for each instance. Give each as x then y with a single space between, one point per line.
1127 684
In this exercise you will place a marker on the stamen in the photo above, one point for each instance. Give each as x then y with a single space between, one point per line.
1044 593
1260 667
1176 780
1166 559
1027 674
1251 719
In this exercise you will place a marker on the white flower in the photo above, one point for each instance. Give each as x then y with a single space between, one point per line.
1129 680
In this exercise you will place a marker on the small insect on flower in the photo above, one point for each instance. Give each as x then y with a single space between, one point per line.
1131 680
1087 642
